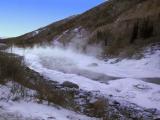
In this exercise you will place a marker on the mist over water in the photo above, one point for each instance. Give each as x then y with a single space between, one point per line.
69 60
59 55
64 60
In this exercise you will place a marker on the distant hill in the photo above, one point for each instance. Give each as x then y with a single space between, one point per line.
121 26
2 40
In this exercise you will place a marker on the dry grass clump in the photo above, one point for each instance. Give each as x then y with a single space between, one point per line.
11 67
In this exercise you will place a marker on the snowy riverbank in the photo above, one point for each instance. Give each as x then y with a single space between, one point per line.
65 65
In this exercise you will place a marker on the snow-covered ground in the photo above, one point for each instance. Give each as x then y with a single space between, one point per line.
41 112
92 74
28 109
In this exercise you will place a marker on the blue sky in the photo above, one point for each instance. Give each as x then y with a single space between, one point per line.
21 16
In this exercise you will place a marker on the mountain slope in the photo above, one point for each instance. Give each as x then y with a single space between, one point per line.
119 25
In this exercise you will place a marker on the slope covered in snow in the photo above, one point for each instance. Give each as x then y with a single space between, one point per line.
41 112
123 80
27 109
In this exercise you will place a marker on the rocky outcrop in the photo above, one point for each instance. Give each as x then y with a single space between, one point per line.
70 85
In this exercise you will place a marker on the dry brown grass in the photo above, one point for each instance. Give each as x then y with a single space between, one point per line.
99 107
11 67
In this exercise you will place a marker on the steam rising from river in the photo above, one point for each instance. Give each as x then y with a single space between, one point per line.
67 57
73 61
63 60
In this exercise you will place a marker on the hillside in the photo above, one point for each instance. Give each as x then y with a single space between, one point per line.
119 25
123 25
